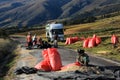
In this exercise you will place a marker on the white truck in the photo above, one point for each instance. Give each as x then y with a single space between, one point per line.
51 28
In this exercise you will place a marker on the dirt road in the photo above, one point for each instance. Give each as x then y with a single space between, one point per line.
31 57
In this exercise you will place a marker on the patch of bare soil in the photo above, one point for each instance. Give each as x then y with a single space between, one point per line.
29 58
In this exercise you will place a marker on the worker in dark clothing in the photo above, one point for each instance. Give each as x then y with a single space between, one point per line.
29 40
55 42
39 42
82 57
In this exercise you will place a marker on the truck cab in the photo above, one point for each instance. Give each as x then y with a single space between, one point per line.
51 28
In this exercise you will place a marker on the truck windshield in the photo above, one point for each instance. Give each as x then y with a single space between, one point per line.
58 31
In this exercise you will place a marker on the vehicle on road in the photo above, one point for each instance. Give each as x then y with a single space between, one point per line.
54 27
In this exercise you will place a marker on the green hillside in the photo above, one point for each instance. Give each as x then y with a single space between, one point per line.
37 12
103 28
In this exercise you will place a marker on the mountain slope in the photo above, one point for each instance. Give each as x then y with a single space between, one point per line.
35 12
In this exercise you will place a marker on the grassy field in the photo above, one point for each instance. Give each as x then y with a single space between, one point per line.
103 28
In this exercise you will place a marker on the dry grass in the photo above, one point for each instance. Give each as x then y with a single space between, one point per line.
81 69
7 48
10 74
105 48
3 41
100 24
39 33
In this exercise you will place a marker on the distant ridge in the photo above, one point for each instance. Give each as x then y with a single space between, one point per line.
35 12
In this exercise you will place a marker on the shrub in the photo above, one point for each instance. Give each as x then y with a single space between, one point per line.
3 33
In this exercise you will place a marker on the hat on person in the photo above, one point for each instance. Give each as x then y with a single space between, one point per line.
80 51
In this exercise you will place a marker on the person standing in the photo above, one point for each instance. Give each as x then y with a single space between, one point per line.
29 40
55 42
39 42
34 40
114 40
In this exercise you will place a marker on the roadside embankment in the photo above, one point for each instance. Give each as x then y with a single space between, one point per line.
7 55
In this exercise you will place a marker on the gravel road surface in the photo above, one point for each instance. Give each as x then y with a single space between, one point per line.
31 57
